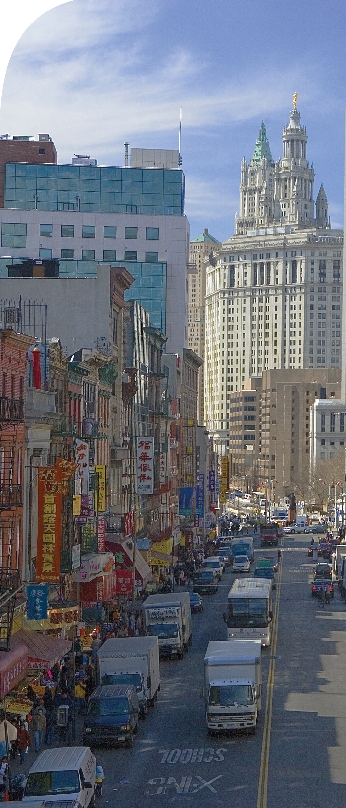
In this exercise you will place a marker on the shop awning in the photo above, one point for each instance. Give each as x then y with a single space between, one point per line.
44 650
13 667
126 547
161 559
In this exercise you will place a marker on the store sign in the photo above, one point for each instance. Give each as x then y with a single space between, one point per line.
82 461
37 606
144 465
101 488
186 501
129 523
93 565
49 524
13 666
212 480
200 495
61 618
101 534
76 557
124 582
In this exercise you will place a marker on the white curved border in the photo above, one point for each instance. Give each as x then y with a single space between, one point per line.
13 25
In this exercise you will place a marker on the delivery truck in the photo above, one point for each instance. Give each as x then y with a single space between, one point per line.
131 661
243 546
168 617
232 685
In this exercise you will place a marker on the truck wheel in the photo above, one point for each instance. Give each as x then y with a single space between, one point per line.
251 730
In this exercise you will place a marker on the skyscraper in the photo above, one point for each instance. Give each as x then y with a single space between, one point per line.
274 292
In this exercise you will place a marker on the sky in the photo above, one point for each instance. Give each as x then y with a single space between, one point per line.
96 73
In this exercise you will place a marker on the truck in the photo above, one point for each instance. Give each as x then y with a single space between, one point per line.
131 661
232 685
269 534
340 553
249 610
168 617
243 546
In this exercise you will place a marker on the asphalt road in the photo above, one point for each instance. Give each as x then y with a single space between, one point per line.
297 757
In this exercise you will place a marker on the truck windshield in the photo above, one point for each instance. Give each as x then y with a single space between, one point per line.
230 695
41 784
134 679
248 612
206 577
110 706
163 630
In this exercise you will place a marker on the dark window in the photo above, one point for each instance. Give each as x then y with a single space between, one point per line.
41 151
151 257
152 233
46 230
88 255
109 231
109 255
67 231
130 255
294 272
131 232
342 422
261 278
67 253
232 275
88 231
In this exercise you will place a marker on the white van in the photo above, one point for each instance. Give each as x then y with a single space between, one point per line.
66 773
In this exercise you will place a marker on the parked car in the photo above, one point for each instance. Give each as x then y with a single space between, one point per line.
196 602
241 563
321 584
323 570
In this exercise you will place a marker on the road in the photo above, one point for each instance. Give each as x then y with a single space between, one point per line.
297 757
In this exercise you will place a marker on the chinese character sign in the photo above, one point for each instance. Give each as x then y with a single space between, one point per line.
82 461
37 601
49 492
129 523
145 465
212 480
200 495
186 501
101 489
101 534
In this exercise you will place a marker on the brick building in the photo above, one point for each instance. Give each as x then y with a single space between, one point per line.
21 149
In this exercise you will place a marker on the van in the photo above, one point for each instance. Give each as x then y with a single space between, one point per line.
64 774
112 715
214 563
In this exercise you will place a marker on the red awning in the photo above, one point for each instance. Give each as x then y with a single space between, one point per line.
13 668
44 650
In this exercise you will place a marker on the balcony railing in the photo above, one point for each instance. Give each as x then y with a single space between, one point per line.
11 409
10 496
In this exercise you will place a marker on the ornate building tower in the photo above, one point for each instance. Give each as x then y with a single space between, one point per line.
257 187
294 179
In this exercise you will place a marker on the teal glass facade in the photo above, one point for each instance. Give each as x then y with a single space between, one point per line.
93 189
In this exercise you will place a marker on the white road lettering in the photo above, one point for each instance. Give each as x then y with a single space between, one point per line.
202 755
186 785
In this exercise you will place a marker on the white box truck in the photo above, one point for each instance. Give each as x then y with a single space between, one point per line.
168 617
131 661
232 685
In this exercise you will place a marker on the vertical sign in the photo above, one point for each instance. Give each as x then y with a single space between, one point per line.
145 465
101 488
224 479
37 601
49 523
101 534
82 461
200 495
212 480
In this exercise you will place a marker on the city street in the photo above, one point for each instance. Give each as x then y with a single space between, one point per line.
295 760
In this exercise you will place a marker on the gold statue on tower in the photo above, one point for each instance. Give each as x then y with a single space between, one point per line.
295 96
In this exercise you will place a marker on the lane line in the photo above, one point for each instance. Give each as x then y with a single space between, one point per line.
262 794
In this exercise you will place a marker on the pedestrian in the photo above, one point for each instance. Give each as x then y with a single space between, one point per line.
50 724
24 741
100 776
79 693
39 728
47 700
3 778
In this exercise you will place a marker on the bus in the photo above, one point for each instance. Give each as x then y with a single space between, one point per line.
249 610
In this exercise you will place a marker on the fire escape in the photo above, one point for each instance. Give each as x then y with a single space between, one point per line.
11 499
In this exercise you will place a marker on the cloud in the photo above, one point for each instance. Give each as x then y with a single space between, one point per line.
209 201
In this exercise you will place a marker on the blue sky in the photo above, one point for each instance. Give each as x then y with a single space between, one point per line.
94 73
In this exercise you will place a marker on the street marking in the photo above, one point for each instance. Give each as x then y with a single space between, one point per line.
187 785
202 755
262 794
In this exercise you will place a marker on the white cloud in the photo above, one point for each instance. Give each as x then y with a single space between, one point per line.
208 201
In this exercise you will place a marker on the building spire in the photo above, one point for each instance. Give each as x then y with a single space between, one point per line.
262 148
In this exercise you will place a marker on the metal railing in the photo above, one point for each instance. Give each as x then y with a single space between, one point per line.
10 496
11 409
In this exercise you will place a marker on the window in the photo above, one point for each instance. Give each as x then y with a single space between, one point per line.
109 255
44 253
67 231
152 233
131 232
41 151
88 231
67 253
13 235
88 255
109 231
151 257
130 255
46 230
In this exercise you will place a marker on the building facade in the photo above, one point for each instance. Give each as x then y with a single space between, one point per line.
274 293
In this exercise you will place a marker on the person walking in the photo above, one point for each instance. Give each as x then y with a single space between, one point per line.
23 740
3 778
39 728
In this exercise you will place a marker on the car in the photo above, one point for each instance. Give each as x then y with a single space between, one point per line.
266 572
310 529
225 557
323 570
241 563
196 602
289 529
321 584
312 548
320 528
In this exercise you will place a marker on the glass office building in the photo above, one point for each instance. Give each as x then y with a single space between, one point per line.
92 189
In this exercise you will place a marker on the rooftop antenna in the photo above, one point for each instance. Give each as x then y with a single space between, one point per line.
179 136
126 154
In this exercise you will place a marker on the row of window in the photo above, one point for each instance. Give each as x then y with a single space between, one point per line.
14 234
108 255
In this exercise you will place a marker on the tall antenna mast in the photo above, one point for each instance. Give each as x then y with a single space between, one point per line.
179 137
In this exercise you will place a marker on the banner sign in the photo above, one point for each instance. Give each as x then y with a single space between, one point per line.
185 501
145 465
82 461
49 493
101 489
200 495
129 523
212 480
101 534
37 601
76 557
124 582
